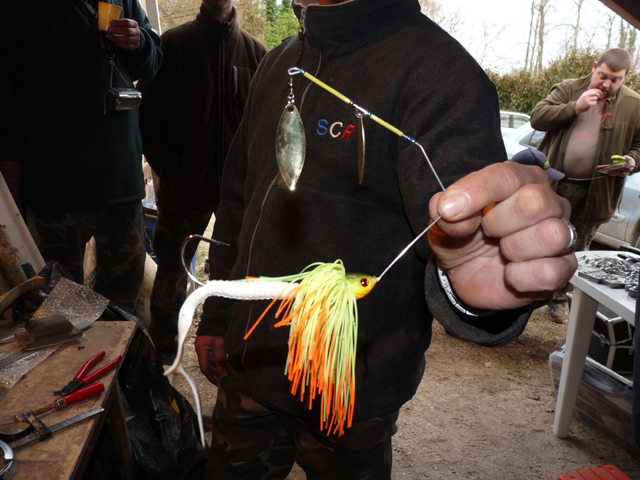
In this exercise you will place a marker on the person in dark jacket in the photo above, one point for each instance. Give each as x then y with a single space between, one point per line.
81 163
191 111
498 257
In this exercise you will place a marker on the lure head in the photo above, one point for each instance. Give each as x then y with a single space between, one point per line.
361 284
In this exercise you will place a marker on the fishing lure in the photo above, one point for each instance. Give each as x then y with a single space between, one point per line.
321 312
318 304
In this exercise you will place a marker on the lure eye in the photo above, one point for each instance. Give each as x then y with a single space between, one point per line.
361 284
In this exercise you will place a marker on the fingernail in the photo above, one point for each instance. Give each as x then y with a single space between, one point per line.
453 206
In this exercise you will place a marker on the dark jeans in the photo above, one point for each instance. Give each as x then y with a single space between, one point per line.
120 253
169 287
576 192
253 442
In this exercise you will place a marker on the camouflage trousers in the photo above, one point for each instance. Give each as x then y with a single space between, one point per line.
576 193
252 442
169 287
120 253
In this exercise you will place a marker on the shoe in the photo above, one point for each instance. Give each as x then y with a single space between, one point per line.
560 297
559 312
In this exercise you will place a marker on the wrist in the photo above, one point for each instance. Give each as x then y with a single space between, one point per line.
448 290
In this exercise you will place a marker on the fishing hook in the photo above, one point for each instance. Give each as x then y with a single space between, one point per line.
183 248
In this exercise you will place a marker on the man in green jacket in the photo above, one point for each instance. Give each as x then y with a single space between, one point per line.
587 121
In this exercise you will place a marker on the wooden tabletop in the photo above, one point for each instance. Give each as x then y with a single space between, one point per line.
66 452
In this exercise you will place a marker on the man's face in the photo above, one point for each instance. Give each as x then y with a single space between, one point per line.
220 8
605 79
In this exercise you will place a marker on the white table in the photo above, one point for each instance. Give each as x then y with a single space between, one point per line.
586 297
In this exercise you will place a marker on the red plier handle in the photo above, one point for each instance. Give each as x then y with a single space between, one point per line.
81 395
98 373
80 380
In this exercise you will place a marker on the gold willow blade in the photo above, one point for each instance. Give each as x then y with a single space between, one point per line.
361 146
290 142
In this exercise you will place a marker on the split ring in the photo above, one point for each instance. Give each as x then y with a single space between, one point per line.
573 240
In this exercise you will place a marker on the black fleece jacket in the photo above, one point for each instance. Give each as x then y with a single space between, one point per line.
53 77
390 59
190 114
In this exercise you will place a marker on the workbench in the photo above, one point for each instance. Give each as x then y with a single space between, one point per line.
587 295
66 454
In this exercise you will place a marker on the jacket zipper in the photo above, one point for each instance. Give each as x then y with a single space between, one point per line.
221 102
264 201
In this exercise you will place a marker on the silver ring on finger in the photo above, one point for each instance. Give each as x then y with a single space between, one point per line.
573 240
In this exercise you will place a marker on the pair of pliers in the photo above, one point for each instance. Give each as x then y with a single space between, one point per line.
82 379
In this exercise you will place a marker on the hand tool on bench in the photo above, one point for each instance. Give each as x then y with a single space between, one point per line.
81 379
47 331
33 438
8 361
30 419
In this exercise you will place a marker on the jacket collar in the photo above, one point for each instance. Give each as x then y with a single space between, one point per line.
205 20
345 27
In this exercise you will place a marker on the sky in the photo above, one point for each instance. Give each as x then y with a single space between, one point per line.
496 31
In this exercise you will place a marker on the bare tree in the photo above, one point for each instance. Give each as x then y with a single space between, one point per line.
532 34
609 20
451 21
576 25
632 37
491 34
622 41
176 12
543 9
251 17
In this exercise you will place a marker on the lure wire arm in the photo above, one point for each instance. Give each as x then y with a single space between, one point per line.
408 247
183 248
363 111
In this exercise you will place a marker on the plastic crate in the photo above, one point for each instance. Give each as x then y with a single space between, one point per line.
607 472
604 401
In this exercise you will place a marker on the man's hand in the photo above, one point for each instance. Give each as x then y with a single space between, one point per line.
627 171
587 100
124 33
502 237
211 356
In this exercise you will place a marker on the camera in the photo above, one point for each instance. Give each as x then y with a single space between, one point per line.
122 99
